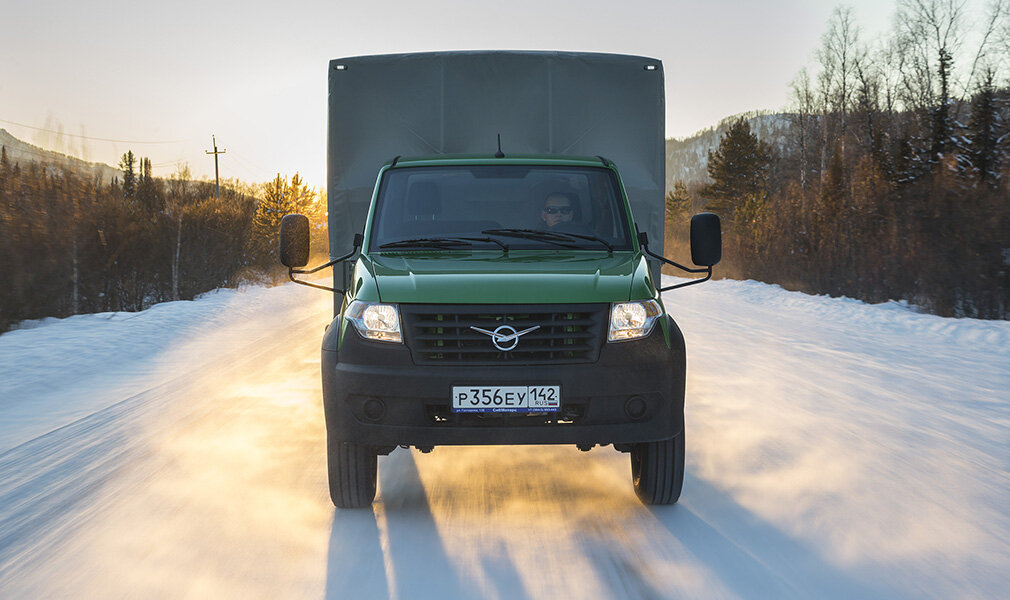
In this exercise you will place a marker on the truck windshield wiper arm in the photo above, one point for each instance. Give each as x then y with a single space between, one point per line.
533 234
561 238
581 236
441 242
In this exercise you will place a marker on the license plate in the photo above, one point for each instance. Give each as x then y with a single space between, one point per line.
506 398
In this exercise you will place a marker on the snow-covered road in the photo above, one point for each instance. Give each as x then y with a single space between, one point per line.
835 450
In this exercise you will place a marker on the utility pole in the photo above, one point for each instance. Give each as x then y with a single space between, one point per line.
217 178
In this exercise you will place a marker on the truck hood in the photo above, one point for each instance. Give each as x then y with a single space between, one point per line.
528 278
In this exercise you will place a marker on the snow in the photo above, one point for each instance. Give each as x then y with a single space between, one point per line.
55 371
835 450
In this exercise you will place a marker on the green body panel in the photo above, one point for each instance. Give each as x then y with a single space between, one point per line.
492 277
642 286
363 281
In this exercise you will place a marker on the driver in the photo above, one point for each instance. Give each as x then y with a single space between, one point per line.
558 208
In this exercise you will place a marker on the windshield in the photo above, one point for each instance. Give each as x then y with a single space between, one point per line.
521 206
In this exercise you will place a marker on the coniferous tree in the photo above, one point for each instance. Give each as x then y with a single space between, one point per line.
678 203
739 171
281 197
147 188
5 167
127 165
985 130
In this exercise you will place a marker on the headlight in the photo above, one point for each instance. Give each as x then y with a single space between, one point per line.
374 321
632 320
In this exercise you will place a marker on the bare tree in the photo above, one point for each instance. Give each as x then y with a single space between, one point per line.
997 17
839 54
869 83
179 196
804 100
932 35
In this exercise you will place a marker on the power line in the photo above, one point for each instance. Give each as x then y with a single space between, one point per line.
249 167
91 138
171 162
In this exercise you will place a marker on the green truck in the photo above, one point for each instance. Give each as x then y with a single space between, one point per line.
490 215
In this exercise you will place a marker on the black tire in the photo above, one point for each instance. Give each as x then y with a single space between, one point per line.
353 471
657 470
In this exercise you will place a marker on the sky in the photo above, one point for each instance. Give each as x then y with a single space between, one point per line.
162 78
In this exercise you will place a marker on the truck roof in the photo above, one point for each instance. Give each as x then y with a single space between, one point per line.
489 159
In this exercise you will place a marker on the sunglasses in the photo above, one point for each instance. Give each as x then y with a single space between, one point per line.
553 210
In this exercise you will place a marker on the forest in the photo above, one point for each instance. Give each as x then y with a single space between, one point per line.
75 244
893 182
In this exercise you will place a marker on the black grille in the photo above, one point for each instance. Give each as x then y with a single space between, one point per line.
441 334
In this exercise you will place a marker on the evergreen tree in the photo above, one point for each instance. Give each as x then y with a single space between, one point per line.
678 203
984 128
127 165
941 112
147 187
739 171
281 197
5 169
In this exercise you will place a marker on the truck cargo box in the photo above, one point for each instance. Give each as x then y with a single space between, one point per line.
563 103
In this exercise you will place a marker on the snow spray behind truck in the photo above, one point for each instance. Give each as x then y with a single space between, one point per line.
489 216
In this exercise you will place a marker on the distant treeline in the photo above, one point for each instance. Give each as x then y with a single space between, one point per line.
76 244
894 179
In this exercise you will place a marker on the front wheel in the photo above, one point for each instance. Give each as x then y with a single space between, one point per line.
353 471
657 470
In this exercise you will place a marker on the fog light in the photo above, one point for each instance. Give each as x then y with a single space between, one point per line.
374 409
635 407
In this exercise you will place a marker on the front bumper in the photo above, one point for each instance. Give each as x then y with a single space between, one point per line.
374 394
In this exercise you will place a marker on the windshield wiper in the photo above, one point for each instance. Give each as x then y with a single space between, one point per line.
441 242
533 234
561 238
582 236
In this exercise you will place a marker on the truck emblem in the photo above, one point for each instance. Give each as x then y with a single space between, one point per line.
505 338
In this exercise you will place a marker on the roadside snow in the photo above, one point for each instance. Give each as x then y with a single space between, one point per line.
59 370
875 436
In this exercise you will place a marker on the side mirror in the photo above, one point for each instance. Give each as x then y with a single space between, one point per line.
706 239
294 241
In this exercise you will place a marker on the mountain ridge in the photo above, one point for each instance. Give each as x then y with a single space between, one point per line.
687 158
21 151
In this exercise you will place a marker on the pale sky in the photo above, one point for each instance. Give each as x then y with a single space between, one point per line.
254 73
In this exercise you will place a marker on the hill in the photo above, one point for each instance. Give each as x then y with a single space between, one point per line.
23 152
687 158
